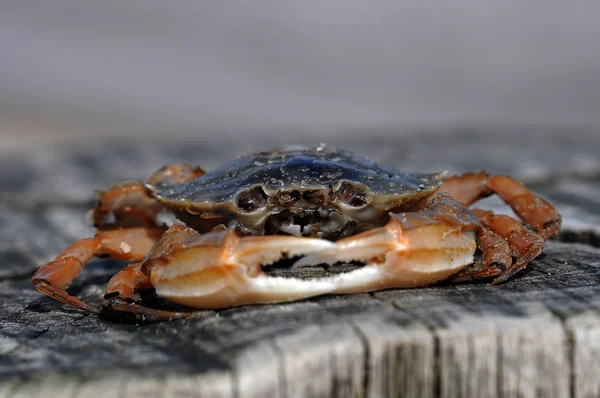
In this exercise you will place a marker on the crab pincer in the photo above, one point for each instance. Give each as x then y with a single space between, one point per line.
412 249
221 269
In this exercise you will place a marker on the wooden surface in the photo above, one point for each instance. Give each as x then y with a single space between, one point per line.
537 335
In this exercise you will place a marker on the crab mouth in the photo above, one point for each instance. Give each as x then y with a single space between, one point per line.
318 223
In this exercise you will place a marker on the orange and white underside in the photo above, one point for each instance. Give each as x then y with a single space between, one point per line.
221 270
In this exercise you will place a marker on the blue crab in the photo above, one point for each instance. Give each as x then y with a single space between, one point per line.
203 239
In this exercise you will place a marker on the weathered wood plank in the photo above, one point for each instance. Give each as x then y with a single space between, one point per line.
492 344
535 335
316 366
400 355
579 310
257 371
58 387
585 331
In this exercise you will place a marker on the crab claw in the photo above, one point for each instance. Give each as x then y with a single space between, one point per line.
413 249
364 247
220 269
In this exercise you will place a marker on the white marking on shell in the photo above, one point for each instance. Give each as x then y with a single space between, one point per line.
125 248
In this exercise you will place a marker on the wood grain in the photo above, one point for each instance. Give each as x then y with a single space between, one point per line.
537 335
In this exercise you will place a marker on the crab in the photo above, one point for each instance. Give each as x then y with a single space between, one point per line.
203 240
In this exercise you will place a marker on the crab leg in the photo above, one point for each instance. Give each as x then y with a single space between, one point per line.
126 216
535 211
126 244
495 259
122 296
524 245
121 292
130 204
125 205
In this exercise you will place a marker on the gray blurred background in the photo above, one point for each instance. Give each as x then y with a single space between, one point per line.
75 68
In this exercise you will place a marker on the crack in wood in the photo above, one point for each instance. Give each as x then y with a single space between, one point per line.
366 382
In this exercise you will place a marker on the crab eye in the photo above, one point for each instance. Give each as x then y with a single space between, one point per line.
249 201
351 195
315 196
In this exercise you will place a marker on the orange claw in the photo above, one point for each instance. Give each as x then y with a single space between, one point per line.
220 269
398 256
413 249
214 270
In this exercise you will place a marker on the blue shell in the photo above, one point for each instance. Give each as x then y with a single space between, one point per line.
297 168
